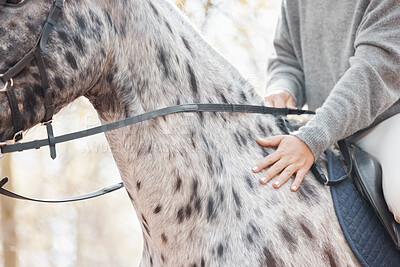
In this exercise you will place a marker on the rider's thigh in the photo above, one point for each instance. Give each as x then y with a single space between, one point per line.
383 142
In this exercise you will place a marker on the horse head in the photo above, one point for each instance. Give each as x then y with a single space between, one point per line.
50 54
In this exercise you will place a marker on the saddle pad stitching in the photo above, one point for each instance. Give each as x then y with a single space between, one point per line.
363 231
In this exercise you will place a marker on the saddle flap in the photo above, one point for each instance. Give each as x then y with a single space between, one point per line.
367 177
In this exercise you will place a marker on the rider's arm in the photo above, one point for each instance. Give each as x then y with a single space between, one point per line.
284 70
369 87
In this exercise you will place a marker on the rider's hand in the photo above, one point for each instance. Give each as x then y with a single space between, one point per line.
292 156
279 99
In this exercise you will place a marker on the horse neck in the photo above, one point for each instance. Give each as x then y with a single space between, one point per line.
162 61
158 59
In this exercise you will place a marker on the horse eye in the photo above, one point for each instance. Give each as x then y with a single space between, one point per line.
14 1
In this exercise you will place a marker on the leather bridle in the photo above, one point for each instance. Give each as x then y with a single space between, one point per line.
230 108
47 92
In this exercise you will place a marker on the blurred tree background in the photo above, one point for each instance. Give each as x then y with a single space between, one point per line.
105 231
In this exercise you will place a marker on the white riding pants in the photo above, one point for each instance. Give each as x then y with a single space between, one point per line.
383 142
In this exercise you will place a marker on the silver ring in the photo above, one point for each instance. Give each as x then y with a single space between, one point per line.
4 89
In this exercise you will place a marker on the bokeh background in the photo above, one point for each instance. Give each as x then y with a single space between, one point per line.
105 231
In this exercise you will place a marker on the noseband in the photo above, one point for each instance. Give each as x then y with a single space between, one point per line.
47 92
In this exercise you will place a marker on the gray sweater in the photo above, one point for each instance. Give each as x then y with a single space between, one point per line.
342 58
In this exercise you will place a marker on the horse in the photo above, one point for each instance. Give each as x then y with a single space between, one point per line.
189 176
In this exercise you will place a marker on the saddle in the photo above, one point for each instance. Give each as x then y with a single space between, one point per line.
366 176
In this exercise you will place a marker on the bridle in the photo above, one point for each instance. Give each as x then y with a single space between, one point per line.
36 53
47 92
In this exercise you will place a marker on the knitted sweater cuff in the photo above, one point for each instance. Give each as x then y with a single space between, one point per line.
313 139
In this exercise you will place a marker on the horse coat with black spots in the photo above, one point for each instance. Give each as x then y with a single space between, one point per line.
188 175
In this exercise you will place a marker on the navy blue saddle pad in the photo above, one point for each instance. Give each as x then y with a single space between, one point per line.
364 232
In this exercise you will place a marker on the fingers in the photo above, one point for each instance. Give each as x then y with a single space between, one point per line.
284 176
290 103
292 157
275 101
272 172
270 141
298 179
279 99
265 162
280 102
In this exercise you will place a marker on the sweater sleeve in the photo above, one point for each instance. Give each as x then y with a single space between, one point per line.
369 87
284 70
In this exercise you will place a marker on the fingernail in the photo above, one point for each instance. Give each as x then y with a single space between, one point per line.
294 188
263 180
255 168
277 183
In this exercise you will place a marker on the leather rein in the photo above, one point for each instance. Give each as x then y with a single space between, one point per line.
37 53
231 108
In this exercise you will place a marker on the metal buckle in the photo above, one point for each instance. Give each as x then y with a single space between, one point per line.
4 89
46 122
18 136
57 3
2 144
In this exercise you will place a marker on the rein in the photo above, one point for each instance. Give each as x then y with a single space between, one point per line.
231 108
5 148
100 192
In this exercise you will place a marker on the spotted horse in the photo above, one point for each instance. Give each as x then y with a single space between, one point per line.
188 175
